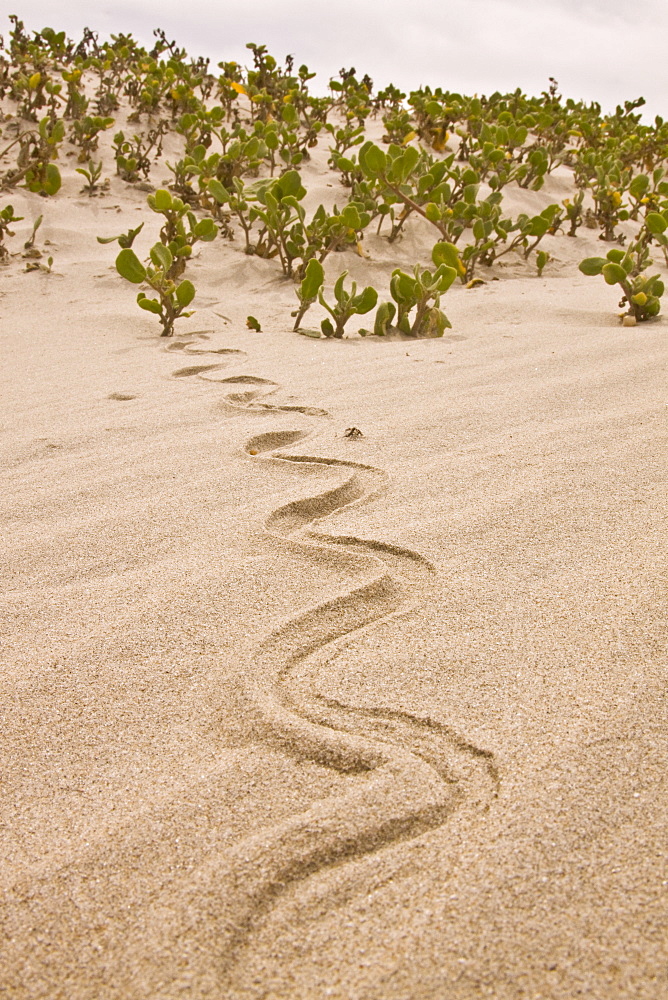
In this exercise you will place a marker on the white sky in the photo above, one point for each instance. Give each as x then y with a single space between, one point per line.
599 50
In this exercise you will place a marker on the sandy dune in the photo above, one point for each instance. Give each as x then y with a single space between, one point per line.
293 714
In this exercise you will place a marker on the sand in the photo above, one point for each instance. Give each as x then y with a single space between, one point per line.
292 714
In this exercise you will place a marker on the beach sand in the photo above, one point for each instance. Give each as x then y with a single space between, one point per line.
387 722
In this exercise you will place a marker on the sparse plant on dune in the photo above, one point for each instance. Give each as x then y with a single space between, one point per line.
307 290
37 150
7 219
641 292
92 173
346 304
239 140
171 297
181 229
273 208
542 259
134 155
655 230
574 213
124 240
86 132
415 310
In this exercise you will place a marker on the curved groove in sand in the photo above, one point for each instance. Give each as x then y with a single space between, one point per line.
255 386
406 773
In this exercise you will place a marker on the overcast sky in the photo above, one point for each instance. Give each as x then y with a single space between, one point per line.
603 50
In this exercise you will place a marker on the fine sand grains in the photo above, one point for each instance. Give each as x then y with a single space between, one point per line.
294 714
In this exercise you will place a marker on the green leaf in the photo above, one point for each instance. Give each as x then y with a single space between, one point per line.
402 287
445 275
161 201
470 193
384 315
404 324
150 305
656 223
314 277
365 301
339 293
639 185
375 160
162 256
615 255
446 253
479 230
290 184
289 114
435 323
327 327
130 267
405 164
52 181
206 230
538 226
351 217
185 293
613 273
592 265
344 164
219 191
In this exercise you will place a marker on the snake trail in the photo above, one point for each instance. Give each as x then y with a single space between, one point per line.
406 773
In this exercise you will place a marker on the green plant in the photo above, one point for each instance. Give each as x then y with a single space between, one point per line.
307 290
645 193
642 292
654 230
282 137
346 303
37 265
133 156
125 239
86 132
37 149
92 173
542 259
608 179
276 206
237 203
181 228
574 212
399 126
418 298
7 219
494 237
172 297
77 102
327 232
33 254
30 242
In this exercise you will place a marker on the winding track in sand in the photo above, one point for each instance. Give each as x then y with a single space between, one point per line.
407 773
